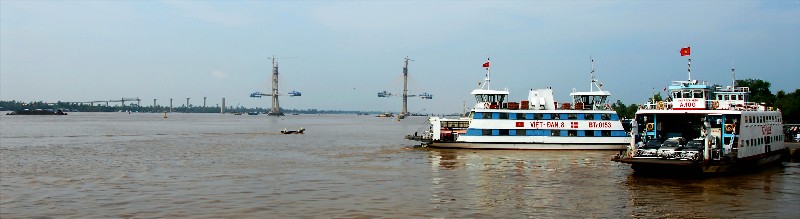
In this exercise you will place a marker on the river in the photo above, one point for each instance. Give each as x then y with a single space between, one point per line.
101 165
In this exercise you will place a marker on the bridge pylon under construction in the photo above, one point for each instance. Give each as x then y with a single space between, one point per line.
405 94
275 109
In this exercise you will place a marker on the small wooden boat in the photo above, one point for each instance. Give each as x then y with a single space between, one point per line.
299 131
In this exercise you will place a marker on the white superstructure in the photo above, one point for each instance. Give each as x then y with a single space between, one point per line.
538 122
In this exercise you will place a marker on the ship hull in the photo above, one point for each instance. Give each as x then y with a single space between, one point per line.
665 167
525 146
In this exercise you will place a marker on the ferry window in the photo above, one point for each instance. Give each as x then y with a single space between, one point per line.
554 132
741 97
589 133
687 94
486 132
486 115
455 124
572 116
502 132
605 116
503 115
572 133
537 116
719 96
521 116
554 116
562 116
698 94
676 95
726 97
520 132
605 133
588 116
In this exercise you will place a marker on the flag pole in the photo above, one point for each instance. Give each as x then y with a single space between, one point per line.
690 68
488 72
690 62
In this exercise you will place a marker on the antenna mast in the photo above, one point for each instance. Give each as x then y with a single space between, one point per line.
591 85
733 75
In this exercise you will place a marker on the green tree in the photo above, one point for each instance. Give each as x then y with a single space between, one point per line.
759 90
789 104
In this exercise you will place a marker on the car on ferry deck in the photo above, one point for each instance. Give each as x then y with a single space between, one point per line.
670 146
692 150
650 149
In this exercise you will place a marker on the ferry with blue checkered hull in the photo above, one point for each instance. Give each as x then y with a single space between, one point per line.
586 123
705 130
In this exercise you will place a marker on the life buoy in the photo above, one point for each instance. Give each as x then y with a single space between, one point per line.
715 104
649 126
486 105
728 128
661 105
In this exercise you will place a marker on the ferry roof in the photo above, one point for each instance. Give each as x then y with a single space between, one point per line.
483 91
708 112
694 84
591 93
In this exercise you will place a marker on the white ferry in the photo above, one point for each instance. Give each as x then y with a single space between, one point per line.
588 122
702 129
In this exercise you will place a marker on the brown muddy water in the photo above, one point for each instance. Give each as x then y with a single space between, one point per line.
140 165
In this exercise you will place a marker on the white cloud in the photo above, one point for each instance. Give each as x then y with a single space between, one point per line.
209 12
219 74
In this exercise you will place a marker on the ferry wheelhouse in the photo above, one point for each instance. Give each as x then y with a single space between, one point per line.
703 129
539 122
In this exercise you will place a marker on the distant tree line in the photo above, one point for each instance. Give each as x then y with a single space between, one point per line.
788 103
83 107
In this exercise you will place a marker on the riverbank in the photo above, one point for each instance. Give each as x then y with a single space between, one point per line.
794 150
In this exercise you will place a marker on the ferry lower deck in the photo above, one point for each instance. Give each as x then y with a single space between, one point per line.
526 146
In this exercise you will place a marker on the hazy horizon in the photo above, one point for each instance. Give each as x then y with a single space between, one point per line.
340 54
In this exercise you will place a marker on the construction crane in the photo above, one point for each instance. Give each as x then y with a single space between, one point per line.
405 94
275 110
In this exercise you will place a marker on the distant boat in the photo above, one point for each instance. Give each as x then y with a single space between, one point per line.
385 115
253 113
37 112
299 131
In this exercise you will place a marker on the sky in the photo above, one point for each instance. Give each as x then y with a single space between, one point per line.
340 54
